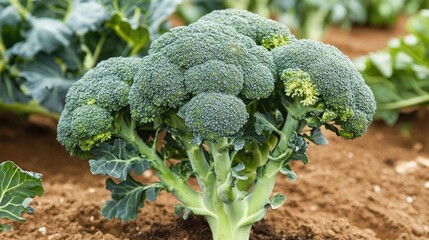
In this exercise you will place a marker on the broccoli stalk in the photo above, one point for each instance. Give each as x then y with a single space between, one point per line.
226 101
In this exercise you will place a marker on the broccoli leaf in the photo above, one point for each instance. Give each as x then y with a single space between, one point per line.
276 201
45 82
117 160
86 16
238 168
9 16
127 197
17 188
182 211
159 11
45 34
9 90
287 170
268 122
317 137
137 37
128 10
183 169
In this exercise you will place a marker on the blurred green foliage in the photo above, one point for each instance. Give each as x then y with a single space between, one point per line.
399 75
45 46
310 18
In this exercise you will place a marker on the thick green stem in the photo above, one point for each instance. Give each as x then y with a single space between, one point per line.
222 165
263 188
223 228
181 190
221 159
198 159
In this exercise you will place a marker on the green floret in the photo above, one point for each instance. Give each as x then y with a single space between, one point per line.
65 133
83 128
159 87
214 76
258 82
119 68
215 115
201 42
274 41
298 84
91 125
109 94
107 85
252 25
215 58
340 86
264 57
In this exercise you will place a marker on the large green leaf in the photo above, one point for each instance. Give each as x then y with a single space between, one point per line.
17 188
136 37
131 11
127 197
268 122
45 82
117 160
86 16
158 13
45 34
9 16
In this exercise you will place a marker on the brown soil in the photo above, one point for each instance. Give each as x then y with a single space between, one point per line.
349 190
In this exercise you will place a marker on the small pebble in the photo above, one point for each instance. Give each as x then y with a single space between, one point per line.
91 190
377 189
313 208
410 199
350 155
147 174
418 146
53 236
423 161
91 219
42 230
311 167
427 185
406 167
379 136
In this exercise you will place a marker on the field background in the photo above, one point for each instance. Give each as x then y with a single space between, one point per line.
369 188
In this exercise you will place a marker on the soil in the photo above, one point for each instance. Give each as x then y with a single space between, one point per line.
375 187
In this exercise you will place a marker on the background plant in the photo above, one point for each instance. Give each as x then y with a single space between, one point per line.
399 75
45 46
311 18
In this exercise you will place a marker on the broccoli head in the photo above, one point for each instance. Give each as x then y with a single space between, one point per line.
207 56
263 31
318 73
215 115
227 99
91 104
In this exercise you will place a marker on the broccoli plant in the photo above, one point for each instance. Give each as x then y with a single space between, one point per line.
229 101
